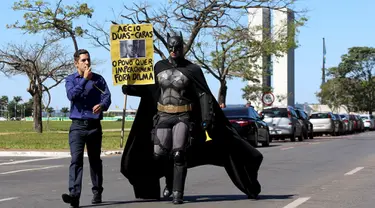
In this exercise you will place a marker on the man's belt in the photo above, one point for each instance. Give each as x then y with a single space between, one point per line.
86 122
175 108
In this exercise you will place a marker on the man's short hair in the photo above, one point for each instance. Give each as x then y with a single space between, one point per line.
79 52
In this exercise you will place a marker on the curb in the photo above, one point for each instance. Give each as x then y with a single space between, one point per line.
49 154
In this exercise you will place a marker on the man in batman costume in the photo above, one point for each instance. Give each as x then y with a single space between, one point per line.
169 132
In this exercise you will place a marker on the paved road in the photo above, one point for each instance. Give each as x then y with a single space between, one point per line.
327 172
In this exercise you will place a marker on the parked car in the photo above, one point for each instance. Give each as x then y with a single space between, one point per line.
3 119
348 123
356 123
283 123
308 130
342 126
249 124
368 121
360 123
324 123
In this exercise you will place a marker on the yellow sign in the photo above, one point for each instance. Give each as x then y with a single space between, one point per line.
132 54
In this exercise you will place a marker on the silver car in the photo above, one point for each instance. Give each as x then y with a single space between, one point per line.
368 121
283 123
325 123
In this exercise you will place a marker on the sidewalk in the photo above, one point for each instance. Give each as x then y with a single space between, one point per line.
61 132
29 153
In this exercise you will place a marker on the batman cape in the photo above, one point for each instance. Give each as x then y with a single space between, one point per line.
226 149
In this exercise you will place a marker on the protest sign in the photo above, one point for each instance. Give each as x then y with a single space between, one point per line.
132 54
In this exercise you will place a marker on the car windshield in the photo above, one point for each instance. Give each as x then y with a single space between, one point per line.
236 112
364 117
275 112
320 115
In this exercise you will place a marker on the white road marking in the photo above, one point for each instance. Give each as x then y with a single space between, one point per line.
8 199
32 160
286 148
31 169
354 171
314 142
297 202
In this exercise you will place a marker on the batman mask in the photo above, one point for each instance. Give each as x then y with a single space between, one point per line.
175 46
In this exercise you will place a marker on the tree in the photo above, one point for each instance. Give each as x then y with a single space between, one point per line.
254 93
335 93
4 100
57 23
56 20
216 34
41 63
49 111
16 99
353 81
64 110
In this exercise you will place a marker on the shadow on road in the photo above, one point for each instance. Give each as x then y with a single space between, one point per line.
108 203
217 198
197 199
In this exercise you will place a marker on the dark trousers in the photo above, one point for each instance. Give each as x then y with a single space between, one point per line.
89 133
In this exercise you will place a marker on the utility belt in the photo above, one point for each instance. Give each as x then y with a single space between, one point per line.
86 122
175 108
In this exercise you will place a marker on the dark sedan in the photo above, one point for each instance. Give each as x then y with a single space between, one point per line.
249 124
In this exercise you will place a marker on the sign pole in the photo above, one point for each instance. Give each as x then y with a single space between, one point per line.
123 122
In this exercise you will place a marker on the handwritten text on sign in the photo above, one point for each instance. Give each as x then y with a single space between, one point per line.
132 54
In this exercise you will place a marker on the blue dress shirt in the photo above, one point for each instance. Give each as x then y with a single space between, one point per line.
85 94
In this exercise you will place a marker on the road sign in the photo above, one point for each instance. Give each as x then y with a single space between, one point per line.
268 98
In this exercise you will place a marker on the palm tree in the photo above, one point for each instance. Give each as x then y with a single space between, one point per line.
49 111
64 110
16 99
4 100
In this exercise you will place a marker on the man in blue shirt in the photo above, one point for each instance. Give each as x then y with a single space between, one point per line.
89 96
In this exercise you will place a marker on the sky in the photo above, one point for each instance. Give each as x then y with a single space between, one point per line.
343 25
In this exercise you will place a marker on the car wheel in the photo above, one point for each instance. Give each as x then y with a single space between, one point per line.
293 137
311 136
300 137
253 139
267 142
305 134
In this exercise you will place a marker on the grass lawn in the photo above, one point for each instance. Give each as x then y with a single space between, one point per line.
28 126
52 141
19 135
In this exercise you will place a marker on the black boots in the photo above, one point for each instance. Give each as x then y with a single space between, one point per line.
175 177
178 197
73 201
97 199
167 192
179 176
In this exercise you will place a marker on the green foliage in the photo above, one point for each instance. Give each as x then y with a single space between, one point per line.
64 110
254 93
352 82
57 21
217 34
50 110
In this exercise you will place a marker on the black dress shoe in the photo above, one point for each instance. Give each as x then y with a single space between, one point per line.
177 197
73 201
97 199
167 192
